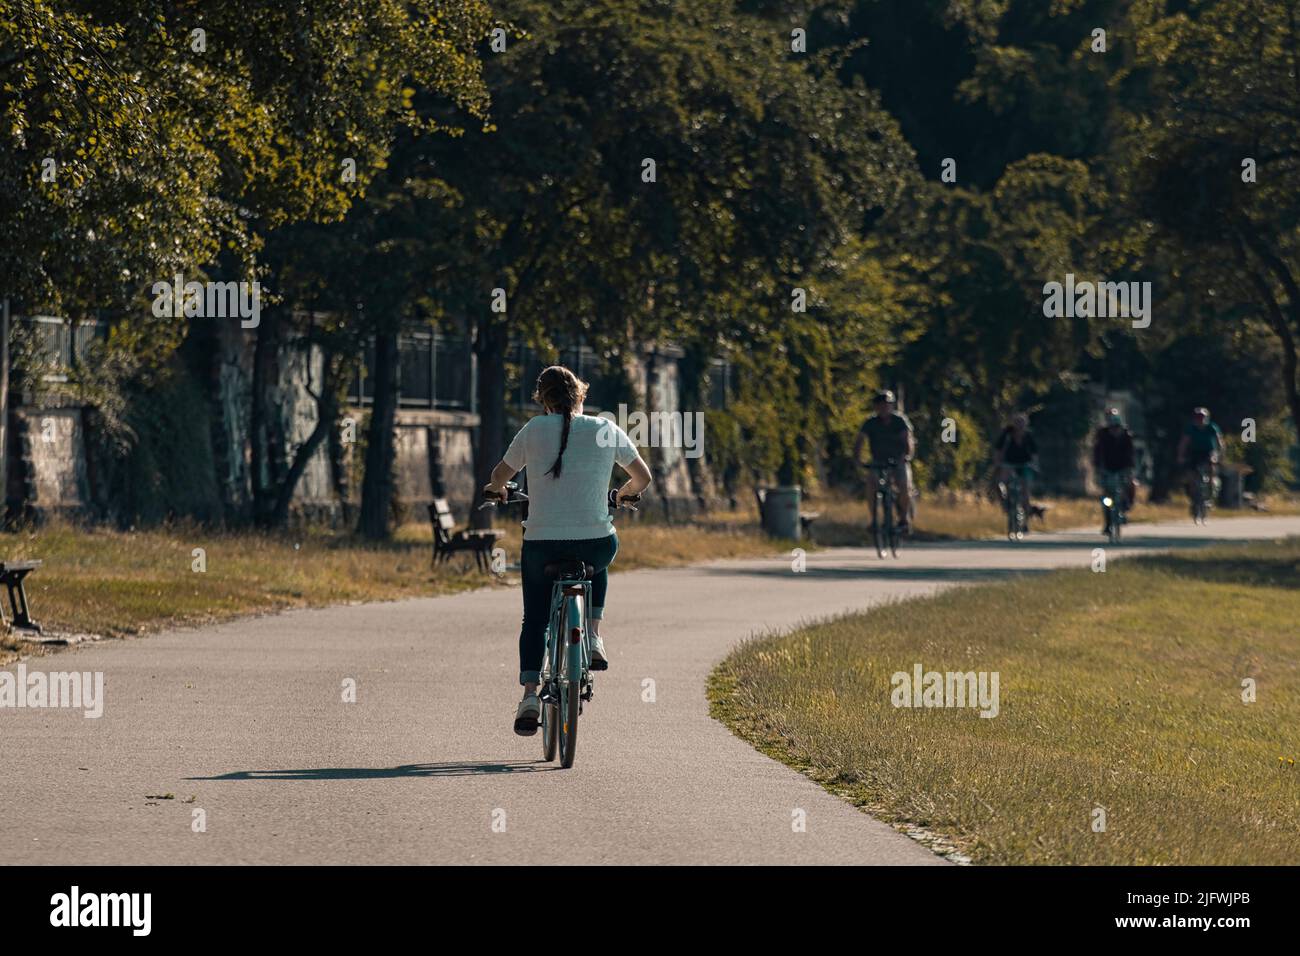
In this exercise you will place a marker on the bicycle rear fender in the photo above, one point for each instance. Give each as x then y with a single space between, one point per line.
575 628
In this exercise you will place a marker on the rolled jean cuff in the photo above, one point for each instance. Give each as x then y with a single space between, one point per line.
530 677
597 613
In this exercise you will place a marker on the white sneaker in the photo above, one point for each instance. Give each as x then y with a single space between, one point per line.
598 660
528 715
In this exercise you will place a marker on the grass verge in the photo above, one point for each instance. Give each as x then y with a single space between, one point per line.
1120 691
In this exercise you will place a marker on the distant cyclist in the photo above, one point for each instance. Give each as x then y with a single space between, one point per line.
1201 445
1113 454
1016 450
889 436
569 457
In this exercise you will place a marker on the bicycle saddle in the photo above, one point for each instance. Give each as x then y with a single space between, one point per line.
569 569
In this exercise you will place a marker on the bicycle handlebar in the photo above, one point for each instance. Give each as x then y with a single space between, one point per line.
512 496
629 501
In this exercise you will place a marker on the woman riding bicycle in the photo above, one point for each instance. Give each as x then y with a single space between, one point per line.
569 457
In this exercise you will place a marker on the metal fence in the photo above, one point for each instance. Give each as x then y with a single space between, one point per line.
437 371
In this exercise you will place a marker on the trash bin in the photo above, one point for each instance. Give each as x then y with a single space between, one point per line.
1231 495
781 511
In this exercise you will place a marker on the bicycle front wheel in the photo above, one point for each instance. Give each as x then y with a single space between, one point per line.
879 517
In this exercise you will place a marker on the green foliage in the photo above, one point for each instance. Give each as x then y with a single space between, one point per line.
774 171
1211 92
163 467
1268 456
154 134
949 464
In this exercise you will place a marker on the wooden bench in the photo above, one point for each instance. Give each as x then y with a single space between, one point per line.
806 518
12 574
448 541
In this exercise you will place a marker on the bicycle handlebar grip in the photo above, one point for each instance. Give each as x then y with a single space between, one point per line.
628 500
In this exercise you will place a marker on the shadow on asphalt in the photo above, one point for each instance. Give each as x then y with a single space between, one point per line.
1087 539
1080 542
1282 571
1061 540
885 569
454 769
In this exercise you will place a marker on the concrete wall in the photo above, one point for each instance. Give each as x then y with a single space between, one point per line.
47 460
49 471
450 436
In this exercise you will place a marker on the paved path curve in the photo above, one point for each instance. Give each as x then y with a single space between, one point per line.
247 718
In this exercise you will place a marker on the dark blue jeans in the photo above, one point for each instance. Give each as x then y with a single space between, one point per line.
598 552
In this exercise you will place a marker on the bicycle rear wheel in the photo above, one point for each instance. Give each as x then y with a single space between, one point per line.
550 708
550 730
570 696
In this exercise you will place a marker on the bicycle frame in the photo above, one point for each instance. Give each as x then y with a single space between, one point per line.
1205 482
885 490
885 506
1114 496
1013 501
1203 492
569 601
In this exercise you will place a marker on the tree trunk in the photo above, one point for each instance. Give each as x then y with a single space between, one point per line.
1276 314
327 408
377 490
4 408
340 479
263 421
692 375
490 346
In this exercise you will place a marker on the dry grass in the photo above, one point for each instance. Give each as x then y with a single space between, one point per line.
117 583
1120 690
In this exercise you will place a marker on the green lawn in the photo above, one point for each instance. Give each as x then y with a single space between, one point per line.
1120 691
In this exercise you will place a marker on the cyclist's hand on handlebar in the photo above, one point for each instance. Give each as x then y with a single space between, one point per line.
619 500
493 492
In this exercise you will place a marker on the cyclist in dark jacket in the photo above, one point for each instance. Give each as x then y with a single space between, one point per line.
888 435
1113 453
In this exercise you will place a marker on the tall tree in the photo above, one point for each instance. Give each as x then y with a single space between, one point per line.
649 166
210 125
1213 142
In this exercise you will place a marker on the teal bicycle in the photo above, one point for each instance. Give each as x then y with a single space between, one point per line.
565 682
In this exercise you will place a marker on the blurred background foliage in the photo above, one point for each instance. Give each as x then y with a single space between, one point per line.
514 159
